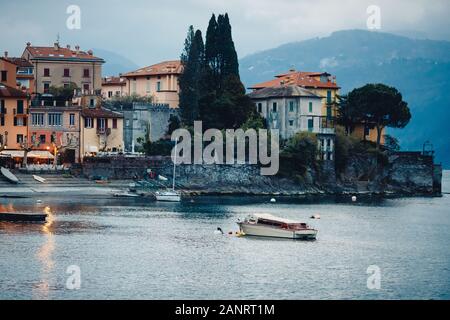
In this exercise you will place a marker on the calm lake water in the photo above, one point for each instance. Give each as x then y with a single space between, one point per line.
146 250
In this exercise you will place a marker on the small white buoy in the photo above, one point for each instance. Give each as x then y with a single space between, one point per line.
353 198
273 200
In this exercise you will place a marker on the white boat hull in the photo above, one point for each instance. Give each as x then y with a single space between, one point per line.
168 197
265 231
9 175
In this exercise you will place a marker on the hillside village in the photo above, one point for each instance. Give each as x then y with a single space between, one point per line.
57 111
34 119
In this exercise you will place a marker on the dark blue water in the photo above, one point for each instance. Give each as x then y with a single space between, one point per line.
148 250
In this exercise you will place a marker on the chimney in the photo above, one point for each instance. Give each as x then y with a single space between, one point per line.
28 43
77 49
6 54
68 46
56 45
90 52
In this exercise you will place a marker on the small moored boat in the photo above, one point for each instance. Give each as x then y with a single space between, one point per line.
22 217
267 225
169 195
38 178
9 175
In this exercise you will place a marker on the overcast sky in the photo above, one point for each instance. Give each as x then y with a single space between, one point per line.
148 31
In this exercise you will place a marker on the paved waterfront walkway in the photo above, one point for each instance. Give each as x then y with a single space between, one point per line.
58 184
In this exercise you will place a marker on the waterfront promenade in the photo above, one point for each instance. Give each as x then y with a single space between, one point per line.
59 184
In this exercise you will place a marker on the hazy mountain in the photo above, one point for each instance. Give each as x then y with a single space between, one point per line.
115 63
420 69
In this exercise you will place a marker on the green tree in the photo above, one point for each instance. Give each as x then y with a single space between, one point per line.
391 143
174 123
298 154
192 60
346 116
379 105
63 92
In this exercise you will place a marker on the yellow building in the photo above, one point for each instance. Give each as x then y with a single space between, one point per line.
113 87
159 81
101 131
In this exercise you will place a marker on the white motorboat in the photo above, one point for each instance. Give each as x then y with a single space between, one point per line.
267 225
169 195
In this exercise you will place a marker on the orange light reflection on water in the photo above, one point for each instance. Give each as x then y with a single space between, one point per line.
44 255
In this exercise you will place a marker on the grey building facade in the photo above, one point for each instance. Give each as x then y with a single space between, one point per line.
144 121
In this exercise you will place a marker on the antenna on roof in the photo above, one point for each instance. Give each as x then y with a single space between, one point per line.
57 38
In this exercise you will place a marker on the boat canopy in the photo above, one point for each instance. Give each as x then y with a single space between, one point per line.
267 216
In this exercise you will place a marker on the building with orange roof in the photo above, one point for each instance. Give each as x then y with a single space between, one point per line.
113 87
323 85
159 81
58 66
292 109
24 73
101 131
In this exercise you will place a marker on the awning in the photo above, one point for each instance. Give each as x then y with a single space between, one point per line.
41 154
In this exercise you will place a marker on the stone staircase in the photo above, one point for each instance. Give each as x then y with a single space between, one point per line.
57 180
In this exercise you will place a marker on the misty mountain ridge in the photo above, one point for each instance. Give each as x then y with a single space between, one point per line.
419 68
114 63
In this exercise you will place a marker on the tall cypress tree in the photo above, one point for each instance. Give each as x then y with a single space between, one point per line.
210 86
189 81
229 64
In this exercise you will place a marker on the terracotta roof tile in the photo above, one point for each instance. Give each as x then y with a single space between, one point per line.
10 92
60 53
299 78
162 68
20 62
100 113
113 81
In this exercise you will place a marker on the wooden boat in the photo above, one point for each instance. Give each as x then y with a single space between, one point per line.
267 225
38 178
9 175
22 217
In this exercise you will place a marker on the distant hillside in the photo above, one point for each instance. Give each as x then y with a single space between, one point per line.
115 63
420 69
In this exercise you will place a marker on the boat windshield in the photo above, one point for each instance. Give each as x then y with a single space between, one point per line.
278 224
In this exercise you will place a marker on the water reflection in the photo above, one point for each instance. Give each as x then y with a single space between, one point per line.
44 256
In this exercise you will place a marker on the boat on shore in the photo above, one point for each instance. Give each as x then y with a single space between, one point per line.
125 195
22 217
267 225
38 178
9 175
169 195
